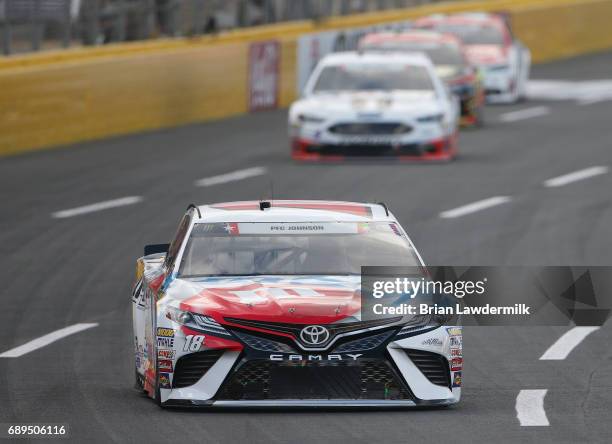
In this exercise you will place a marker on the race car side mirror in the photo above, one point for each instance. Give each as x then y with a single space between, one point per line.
156 248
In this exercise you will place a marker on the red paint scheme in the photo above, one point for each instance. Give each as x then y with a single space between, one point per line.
445 149
408 37
477 54
331 306
415 36
486 54
342 207
157 282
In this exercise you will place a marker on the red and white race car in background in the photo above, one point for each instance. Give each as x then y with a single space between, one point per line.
503 60
447 53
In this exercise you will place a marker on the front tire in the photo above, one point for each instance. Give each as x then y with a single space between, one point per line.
157 398
138 381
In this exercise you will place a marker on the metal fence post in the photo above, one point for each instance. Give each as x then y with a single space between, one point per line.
66 28
35 26
199 15
6 29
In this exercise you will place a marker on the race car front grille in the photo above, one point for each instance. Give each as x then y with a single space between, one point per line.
262 379
369 129
262 344
294 330
190 368
365 343
432 365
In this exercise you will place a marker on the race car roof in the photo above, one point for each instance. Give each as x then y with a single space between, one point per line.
417 35
294 211
463 19
340 58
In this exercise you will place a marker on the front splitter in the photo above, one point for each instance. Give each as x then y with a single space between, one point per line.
311 403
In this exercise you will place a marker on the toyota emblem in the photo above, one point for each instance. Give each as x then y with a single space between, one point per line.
314 335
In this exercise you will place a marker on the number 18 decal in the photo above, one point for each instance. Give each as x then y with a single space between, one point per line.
193 343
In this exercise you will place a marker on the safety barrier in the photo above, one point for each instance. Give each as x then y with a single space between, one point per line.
63 97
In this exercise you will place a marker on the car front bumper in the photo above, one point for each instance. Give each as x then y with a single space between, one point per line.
404 375
439 149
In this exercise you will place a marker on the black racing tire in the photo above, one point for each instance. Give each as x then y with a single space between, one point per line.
480 120
157 390
138 381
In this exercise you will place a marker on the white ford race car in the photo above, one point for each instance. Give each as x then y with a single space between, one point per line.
503 60
258 304
365 104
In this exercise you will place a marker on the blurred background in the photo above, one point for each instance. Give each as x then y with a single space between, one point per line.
34 25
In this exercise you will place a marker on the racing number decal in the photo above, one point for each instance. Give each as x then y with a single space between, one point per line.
193 343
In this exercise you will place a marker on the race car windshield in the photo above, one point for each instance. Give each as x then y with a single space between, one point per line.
247 249
473 34
449 55
370 77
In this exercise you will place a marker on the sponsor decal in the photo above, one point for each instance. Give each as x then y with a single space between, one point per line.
395 229
456 364
139 355
165 332
165 342
456 341
165 365
456 352
164 380
165 354
138 295
193 343
264 74
457 379
454 331
435 342
298 227
334 357
232 228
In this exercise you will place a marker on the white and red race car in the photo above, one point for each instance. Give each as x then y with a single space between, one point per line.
374 105
258 304
503 60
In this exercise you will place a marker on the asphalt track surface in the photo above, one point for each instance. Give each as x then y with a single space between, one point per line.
59 272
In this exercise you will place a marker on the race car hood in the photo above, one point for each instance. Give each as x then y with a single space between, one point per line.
301 300
349 104
485 54
447 72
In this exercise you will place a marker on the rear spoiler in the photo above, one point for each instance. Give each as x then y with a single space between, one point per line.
156 248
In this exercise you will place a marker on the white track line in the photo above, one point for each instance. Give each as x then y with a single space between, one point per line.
566 343
523 114
576 176
530 408
593 100
474 207
47 339
98 206
231 177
